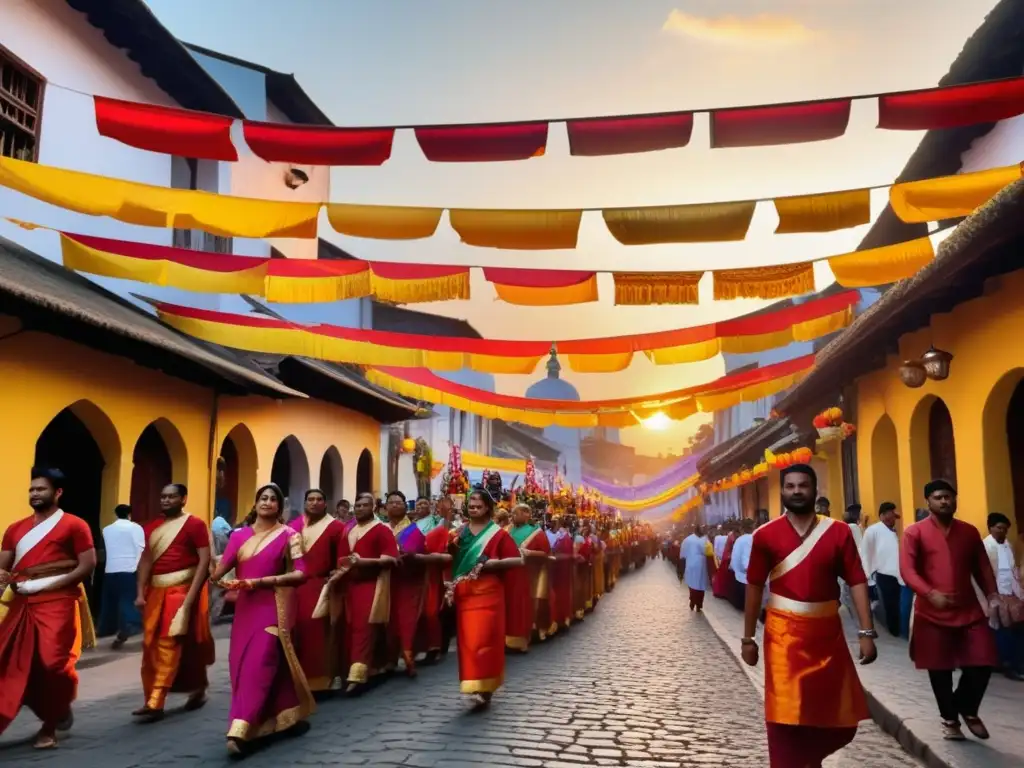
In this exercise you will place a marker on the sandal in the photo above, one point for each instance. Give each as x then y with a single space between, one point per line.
44 741
951 730
976 727
196 701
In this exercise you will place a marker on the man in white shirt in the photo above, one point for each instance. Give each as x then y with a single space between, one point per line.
123 542
739 562
881 555
1010 640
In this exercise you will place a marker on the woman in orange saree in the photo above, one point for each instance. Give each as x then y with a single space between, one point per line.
483 551
269 692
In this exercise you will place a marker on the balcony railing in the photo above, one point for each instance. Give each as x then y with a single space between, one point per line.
198 240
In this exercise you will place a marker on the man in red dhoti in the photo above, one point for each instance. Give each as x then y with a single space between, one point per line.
583 577
561 570
436 529
408 583
813 697
949 630
534 598
177 646
368 553
44 617
318 640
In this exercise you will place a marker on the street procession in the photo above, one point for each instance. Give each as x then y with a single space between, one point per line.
512 384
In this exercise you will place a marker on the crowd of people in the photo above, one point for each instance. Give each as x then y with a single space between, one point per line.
333 601
796 571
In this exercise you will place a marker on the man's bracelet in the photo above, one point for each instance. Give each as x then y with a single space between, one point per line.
873 634
748 641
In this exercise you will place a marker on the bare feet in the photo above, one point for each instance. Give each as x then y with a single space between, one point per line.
196 701
147 715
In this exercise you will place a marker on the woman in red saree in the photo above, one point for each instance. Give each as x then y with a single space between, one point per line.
269 692
318 641
483 551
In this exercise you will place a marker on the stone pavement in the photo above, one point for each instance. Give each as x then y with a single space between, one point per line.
901 701
641 683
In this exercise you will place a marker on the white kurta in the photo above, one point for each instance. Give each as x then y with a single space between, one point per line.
694 549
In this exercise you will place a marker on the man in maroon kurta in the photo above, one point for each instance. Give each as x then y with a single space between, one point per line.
368 553
939 557
318 641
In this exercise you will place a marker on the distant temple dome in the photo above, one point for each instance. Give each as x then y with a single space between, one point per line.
552 387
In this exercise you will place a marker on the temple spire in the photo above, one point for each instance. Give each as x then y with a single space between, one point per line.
553 365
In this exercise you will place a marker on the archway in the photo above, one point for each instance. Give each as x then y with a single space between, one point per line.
290 471
1015 445
941 445
152 469
885 467
331 477
364 472
82 442
236 481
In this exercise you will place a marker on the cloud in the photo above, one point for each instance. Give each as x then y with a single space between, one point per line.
762 29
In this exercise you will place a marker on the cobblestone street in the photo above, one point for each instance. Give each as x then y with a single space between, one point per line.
643 682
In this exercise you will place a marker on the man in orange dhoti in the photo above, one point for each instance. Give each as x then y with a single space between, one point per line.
430 637
318 641
177 646
368 553
44 618
813 698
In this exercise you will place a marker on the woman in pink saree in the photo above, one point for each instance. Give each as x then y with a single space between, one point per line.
269 693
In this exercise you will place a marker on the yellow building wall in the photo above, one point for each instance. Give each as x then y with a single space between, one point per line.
893 460
117 400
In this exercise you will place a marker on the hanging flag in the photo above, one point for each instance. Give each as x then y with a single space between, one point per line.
780 124
151 206
594 137
778 282
383 222
699 223
483 143
644 288
952 106
880 266
517 229
542 287
318 144
823 212
181 132
949 197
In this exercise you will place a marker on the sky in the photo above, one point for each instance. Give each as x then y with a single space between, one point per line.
399 62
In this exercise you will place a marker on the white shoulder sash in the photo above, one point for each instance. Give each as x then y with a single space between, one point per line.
36 535
798 555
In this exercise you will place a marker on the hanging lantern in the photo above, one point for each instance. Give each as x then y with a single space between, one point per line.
912 373
936 363
408 445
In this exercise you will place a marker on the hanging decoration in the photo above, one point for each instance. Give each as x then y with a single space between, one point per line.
147 205
266 335
203 136
320 280
472 460
724 392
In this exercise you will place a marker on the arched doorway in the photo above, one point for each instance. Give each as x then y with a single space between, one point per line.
152 469
331 477
290 471
364 472
236 478
885 467
1015 444
941 445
